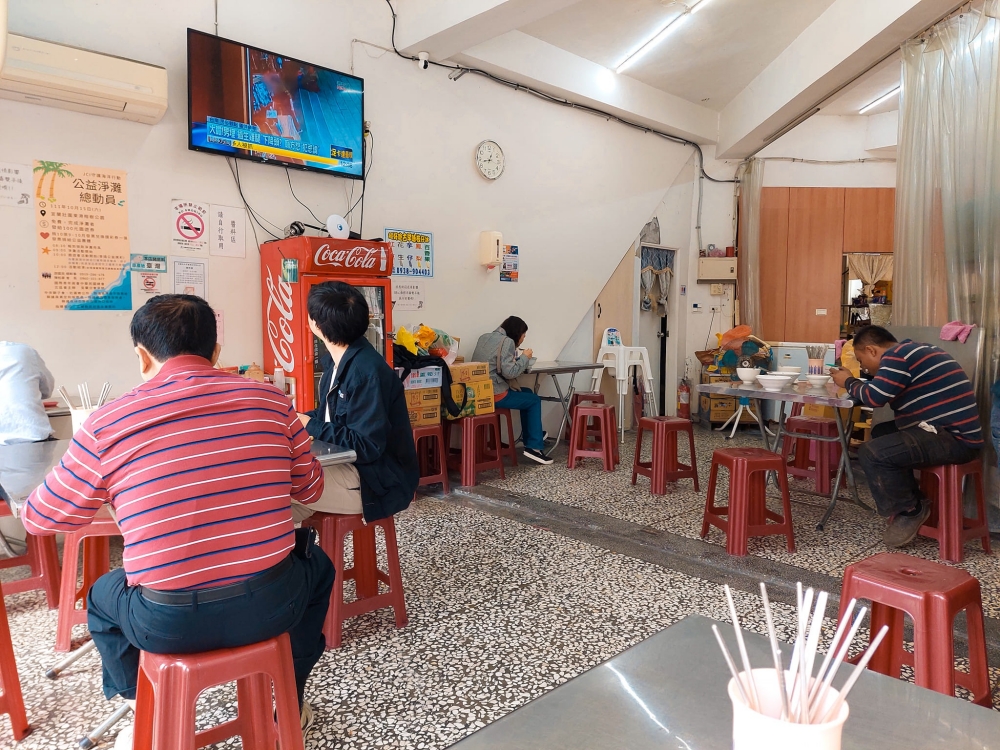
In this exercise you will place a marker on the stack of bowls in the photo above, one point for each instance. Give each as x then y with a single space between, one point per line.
774 381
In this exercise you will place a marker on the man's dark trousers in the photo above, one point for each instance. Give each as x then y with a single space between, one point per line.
890 457
122 621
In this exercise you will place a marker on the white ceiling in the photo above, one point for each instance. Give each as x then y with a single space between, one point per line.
877 82
712 56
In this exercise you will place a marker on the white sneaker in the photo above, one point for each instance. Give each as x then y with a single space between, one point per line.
306 719
124 739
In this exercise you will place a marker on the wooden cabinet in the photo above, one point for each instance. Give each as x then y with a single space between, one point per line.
804 233
869 220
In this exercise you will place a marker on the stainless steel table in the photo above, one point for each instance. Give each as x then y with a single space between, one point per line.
552 369
803 393
669 693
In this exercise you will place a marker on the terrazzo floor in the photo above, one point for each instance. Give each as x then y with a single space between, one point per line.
499 613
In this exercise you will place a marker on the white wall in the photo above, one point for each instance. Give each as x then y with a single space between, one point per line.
828 138
576 192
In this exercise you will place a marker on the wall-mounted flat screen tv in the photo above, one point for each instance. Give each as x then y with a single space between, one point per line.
254 104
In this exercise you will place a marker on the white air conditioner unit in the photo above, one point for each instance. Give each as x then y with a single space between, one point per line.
56 75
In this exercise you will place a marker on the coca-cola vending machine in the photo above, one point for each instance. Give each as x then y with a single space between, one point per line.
289 268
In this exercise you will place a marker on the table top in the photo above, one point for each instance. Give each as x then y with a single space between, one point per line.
559 367
799 393
23 466
669 692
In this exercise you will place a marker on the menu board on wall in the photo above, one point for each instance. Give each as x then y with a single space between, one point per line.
81 227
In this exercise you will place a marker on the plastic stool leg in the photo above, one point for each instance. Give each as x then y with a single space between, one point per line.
709 499
694 458
67 592
395 574
333 626
888 659
978 663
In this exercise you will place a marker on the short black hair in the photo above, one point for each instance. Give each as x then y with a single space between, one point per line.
515 328
340 311
170 325
873 336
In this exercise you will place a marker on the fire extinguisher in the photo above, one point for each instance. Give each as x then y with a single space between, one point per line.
684 400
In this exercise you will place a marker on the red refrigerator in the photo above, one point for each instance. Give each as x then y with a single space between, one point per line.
289 268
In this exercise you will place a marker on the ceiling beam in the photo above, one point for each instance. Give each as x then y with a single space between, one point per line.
530 61
847 39
443 28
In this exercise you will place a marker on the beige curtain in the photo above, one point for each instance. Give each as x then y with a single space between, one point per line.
871 268
748 262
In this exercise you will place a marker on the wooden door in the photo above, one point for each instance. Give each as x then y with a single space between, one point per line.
815 250
773 261
614 308
869 220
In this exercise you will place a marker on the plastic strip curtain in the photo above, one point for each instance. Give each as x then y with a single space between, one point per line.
656 263
947 242
748 262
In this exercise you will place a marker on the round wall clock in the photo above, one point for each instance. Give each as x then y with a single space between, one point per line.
489 159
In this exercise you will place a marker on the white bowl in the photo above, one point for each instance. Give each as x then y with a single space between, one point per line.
818 381
774 382
790 370
747 374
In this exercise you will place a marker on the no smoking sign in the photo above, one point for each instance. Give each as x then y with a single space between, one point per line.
190 226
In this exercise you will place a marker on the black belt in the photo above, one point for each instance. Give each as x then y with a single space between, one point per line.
218 593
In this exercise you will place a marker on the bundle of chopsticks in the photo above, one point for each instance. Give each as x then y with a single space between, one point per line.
86 402
802 702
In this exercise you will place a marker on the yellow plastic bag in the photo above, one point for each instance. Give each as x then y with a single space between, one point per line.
405 339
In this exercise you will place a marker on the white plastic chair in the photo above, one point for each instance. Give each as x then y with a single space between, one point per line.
618 360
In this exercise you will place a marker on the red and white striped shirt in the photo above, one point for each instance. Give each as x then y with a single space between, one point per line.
200 468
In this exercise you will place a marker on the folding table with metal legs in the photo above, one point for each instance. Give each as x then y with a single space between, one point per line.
553 369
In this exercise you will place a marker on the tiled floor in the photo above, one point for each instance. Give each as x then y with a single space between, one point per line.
499 613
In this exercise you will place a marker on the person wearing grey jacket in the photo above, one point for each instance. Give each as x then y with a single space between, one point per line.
499 350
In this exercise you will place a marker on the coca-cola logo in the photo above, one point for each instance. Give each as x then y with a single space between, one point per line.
365 258
280 334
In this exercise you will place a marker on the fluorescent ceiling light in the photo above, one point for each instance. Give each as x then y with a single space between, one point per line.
659 36
881 99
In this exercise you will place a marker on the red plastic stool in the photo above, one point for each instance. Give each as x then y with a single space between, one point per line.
432 455
475 456
365 573
944 485
747 514
169 686
94 539
574 401
664 466
606 448
827 460
508 449
931 594
11 701
42 556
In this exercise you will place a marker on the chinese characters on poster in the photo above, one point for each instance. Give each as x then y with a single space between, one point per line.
412 252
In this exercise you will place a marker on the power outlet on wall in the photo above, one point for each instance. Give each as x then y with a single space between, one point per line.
716 308
716 289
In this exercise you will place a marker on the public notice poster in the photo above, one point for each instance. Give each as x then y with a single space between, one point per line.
191 276
15 184
149 277
189 231
511 262
408 295
81 227
412 252
229 231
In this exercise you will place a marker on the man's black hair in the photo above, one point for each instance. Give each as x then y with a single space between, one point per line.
170 325
515 328
873 336
339 310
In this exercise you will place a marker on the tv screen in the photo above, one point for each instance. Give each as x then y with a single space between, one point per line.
253 104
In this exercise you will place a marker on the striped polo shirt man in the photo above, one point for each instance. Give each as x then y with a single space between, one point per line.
199 467
924 385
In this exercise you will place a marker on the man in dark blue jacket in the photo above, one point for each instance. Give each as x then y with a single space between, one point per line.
361 406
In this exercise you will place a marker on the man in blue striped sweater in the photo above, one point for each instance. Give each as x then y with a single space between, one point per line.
937 422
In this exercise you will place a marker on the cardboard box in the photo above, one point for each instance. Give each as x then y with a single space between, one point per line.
480 398
423 397
424 377
421 416
470 372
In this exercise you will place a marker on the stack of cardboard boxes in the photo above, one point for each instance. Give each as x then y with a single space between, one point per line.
471 383
423 395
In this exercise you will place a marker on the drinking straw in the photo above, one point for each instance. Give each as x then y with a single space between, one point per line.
814 633
755 703
841 654
65 397
858 670
841 627
803 679
775 653
730 663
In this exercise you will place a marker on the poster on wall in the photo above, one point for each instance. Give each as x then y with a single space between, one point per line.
81 228
190 276
408 296
149 277
412 252
509 267
15 184
229 231
189 226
